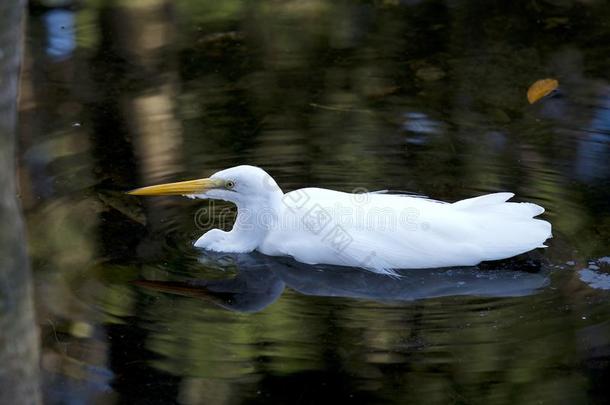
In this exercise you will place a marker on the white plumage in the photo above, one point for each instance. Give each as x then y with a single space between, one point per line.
377 231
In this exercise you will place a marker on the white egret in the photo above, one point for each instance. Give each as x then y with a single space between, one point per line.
377 231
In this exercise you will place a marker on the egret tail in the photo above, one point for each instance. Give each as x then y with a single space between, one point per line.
505 229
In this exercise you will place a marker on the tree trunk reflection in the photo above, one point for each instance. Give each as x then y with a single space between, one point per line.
19 356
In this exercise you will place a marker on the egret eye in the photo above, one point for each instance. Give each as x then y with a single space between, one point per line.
230 184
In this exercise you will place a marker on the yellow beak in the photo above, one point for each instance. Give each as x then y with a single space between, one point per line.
181 188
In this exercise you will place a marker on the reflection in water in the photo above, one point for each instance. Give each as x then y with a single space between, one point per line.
594 148
19 345
420 127
261 280
596 275
59 24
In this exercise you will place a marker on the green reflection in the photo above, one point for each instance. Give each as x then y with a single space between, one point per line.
425 96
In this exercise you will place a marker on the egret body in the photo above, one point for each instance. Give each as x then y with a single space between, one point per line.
377 231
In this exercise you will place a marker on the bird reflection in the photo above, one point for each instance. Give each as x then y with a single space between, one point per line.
262 279
255 287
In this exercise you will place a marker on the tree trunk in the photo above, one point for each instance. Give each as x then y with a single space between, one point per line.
19 355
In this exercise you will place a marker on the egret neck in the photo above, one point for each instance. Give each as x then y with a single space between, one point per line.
256 216
255 193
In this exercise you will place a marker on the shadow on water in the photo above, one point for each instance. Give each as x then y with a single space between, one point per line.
261 280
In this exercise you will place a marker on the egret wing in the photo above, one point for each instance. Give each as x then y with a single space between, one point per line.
382 232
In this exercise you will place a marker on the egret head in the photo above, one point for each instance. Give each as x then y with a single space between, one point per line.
240 185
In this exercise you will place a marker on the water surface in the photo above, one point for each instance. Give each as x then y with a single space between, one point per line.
423 96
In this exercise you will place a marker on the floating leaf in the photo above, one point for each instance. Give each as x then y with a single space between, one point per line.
540 89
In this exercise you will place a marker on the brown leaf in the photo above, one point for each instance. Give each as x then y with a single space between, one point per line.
540 89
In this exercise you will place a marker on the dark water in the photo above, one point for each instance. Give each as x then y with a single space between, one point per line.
425 96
